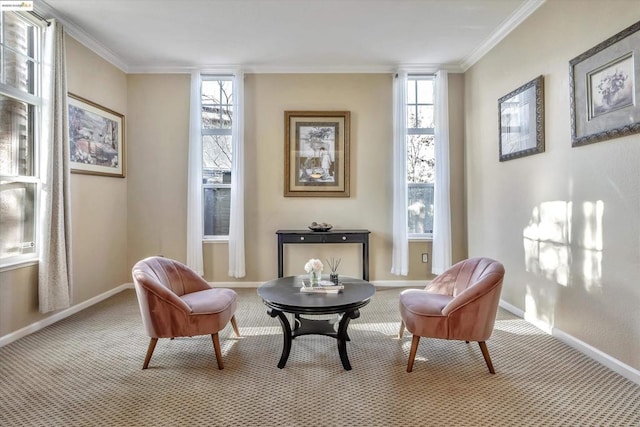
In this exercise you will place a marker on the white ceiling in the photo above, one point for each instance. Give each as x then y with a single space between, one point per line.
289 35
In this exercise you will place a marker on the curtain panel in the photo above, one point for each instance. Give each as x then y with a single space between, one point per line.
400 254
54 270
195 226
441 257
236 217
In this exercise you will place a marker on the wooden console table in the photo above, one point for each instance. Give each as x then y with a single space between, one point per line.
332 236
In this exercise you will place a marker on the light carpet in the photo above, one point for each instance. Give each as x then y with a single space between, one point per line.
86 371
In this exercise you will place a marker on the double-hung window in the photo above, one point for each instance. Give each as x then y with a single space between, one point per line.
20 109
420 155
217 117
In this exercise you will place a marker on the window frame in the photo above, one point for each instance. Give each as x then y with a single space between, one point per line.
214 132
418 131
35 100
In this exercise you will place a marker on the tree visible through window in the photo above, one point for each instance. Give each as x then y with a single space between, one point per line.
420 154
19 104
217 117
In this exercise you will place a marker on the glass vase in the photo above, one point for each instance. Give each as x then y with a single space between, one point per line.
314 277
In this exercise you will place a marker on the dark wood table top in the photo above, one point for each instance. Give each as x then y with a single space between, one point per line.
284 294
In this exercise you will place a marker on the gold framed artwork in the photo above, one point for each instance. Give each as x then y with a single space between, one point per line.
96 138
316 153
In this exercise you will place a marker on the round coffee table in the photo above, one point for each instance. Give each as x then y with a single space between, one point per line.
283 296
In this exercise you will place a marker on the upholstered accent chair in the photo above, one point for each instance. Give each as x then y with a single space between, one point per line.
176 302
459 304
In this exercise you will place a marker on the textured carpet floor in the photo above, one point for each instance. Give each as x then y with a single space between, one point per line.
86 371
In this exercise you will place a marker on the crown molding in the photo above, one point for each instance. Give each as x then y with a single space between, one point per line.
81 35
290 69
516 18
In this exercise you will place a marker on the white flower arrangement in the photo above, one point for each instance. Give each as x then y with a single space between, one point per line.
314 265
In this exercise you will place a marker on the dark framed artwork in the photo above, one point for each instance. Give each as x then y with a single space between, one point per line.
521 121
316 153
604 89
96 138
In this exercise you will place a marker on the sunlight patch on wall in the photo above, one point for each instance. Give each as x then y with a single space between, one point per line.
547 241
542 319
592 244
552 247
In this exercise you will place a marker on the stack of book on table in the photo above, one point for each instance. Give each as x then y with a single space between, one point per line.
324 287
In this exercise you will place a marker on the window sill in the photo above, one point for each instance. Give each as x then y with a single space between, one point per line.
421 238
218 239
18 264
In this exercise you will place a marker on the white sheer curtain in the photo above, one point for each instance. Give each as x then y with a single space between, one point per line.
195 224
236 219
54 271
441 257
400 254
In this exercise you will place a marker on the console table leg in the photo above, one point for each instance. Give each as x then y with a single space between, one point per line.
286 332
280 257
343 337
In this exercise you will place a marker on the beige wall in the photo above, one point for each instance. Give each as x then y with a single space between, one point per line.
583 282
159 135
158 130
99 209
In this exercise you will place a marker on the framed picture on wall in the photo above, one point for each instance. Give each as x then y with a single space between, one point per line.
605 91
96 138
316 153
521 121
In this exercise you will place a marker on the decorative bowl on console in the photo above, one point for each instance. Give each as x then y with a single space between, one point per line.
322 226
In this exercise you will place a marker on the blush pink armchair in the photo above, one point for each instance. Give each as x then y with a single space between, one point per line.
176 302
459 304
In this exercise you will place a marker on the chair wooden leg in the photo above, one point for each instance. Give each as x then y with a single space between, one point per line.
216 347
487 358
401 331
152 346
412 353
234 325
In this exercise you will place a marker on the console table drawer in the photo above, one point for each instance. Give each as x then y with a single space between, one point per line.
323 238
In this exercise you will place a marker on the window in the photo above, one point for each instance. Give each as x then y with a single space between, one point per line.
217 116
420 155
20 75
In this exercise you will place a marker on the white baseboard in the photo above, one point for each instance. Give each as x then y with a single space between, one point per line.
9 338
612 363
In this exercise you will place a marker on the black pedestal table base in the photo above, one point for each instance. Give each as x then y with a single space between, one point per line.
283 296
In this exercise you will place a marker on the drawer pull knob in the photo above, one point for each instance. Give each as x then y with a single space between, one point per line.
301 237
344 237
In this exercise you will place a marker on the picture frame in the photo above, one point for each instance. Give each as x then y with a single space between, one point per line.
604 87
521 121
316 153
96 138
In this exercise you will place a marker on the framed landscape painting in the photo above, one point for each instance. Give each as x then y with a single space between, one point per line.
316 154
96 139
605 89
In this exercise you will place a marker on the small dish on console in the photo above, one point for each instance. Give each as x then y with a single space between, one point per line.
323 226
